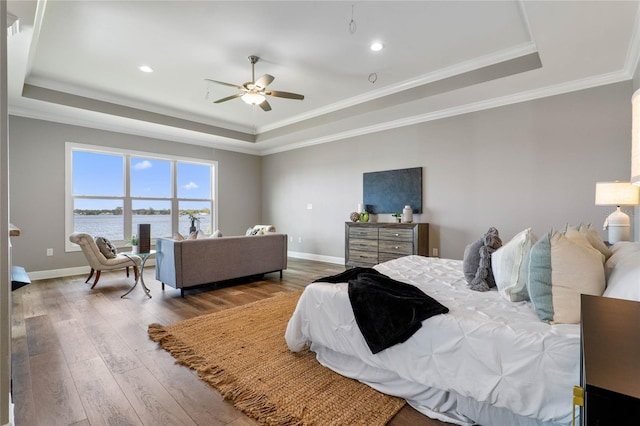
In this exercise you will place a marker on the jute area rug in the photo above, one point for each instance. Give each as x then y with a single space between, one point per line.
242 353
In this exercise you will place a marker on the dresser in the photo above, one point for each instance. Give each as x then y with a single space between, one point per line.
367 244
610 361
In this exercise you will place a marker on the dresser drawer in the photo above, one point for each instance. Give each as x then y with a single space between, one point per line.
362 258
362 232
385 257
402 248
392 234
363 244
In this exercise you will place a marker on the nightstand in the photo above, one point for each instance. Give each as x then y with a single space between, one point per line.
610 361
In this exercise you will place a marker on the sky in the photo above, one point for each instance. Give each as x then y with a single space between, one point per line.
100 174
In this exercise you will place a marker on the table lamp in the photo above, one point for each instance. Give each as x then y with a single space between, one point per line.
617 194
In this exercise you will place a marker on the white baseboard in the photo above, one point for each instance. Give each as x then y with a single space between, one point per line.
318 257
84 270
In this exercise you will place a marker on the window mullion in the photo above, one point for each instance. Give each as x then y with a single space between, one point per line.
126 202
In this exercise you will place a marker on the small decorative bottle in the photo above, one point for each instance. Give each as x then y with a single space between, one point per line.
407 214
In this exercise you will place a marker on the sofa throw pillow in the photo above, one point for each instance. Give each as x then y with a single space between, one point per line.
216 234
560 270
178 236
106 248
509 265
476 263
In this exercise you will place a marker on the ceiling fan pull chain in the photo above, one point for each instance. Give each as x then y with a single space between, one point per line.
352 24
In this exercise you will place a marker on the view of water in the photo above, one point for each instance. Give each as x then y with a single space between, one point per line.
110 226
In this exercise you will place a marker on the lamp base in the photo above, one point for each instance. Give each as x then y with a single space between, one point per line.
618 224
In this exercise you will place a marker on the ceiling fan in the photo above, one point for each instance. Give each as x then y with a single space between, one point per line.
255 91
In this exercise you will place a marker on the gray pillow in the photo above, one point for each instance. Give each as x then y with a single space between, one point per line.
106 248
476 263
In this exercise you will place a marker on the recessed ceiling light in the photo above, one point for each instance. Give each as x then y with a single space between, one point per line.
376 46
145 68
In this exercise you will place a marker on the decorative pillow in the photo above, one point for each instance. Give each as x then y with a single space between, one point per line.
216 234
510 264
178 236
581 238
560 270
594 238
106 248
193 235
249 232
476 263
623 271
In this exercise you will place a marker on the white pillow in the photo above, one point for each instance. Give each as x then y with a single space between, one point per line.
623 271
510 264
216 234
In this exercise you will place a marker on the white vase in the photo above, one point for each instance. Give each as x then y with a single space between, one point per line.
134 249
407 214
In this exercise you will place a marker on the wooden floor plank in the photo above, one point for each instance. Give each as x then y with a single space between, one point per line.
54 392
82 357
101 396
153 404
194 395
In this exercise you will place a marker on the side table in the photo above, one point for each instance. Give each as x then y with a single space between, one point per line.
144 257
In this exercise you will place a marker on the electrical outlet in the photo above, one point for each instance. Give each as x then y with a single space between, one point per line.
49 252
435 252
290 239
309 206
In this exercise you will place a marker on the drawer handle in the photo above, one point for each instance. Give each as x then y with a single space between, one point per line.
397 248
396 235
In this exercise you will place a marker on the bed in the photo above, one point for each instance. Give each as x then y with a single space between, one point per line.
487 361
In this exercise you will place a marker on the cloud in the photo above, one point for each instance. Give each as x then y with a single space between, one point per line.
190 185
145 164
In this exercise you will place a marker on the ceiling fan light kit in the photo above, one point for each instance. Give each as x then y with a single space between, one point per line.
255 91
253 98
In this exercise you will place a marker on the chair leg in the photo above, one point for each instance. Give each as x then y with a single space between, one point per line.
90 275
136 273
127 272
97 278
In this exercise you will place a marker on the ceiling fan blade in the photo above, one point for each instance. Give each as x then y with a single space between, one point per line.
228 98
224 84
287 95
265 105
263 81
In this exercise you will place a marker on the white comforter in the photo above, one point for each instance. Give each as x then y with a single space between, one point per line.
486 348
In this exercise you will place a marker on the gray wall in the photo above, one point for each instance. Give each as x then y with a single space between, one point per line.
533 164
37 185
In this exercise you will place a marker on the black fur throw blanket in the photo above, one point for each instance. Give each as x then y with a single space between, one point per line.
387 311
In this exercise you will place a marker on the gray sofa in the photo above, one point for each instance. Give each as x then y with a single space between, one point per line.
189 263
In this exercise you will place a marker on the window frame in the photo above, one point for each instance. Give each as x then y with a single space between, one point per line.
126 154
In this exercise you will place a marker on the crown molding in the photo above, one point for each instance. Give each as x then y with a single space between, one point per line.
558 89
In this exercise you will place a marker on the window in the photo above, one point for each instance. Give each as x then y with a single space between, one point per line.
110 192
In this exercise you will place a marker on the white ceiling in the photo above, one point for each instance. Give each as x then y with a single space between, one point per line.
77 62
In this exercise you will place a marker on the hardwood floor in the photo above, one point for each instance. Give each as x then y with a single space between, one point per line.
83 357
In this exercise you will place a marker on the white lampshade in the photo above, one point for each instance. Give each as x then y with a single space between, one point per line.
253 98
617 194
635 139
